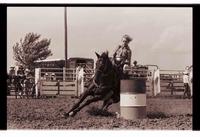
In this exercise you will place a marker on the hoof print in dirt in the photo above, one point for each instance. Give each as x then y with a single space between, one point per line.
61 110
99 112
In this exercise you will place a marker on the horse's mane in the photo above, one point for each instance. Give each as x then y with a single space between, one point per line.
109 63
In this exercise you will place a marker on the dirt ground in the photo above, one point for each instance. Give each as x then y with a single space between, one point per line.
162 114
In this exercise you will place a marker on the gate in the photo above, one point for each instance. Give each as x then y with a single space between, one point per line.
172 82
60 81
53 88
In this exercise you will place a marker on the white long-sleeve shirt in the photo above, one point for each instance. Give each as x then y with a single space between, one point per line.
185 78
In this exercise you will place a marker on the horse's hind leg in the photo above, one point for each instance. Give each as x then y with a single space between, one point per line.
106 104
95 99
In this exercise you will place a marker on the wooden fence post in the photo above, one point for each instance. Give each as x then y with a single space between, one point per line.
58 84
76 81
64 73
64 76
37 81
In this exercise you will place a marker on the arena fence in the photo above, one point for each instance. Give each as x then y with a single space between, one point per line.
64 81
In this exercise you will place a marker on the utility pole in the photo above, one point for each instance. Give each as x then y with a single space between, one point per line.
65 14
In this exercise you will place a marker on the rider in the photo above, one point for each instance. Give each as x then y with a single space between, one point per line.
28 74
122 54
12 71
11 74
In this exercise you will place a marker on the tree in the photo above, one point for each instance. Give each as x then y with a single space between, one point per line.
31 49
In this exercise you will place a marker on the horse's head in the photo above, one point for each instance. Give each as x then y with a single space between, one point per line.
103 62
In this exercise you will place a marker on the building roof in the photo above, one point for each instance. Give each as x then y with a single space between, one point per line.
74 58
77 58
48 60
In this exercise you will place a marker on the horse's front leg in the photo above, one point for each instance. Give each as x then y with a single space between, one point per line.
87 93
95 99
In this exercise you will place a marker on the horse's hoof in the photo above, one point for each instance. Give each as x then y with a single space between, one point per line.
66 115
72 114
117 115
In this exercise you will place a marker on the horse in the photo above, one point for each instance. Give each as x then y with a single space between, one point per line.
105 86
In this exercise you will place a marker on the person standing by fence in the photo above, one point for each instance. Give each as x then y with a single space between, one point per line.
155 82
171 87
186 83
191 80
80 80
38 79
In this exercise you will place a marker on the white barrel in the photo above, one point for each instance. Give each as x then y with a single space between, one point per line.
133 99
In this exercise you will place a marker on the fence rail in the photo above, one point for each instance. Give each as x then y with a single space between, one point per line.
67 78
166 77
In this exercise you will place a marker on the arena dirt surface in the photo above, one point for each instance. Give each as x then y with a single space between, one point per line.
162 114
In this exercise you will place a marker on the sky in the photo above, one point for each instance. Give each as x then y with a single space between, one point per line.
161 35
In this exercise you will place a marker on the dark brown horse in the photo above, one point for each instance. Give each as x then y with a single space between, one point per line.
105 86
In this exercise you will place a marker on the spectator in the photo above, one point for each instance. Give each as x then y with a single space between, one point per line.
186 83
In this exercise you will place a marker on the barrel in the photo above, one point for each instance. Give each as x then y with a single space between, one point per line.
133 99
